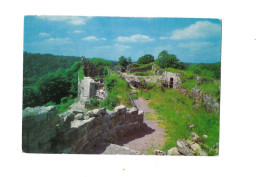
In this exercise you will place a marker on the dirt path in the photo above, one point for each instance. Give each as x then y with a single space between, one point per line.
148 140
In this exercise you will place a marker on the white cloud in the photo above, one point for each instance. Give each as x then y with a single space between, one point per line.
57 41
93 38
162 38
121 47
78 31
74 20
44 34
134 38
200 29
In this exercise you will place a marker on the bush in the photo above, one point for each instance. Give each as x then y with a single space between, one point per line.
165 60
31 97
64 100
146 59
54 87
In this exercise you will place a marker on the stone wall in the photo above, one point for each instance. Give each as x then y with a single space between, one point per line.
76 132
39 128
141 69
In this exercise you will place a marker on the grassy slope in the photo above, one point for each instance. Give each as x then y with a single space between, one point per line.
177 113
189 81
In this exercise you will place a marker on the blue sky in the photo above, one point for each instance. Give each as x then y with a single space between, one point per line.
190 39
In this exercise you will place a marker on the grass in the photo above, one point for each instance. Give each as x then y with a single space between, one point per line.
81 74
118 90
146 73
63 107
177 112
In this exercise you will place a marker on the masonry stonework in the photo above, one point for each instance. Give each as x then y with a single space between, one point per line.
74 132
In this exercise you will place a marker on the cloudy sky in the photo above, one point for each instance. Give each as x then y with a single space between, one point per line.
191 40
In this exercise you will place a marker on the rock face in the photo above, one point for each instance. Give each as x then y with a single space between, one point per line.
76 133
39 128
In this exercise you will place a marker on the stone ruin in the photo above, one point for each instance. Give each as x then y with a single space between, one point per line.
44 131
171 80
88 88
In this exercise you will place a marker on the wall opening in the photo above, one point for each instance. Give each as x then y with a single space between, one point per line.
171 83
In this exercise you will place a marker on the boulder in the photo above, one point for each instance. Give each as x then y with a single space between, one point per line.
184 148
173 151
196 148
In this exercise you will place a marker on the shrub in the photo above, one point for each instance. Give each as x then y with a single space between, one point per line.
146 59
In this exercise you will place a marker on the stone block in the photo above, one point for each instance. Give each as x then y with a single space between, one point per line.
120 109
79 116
99 111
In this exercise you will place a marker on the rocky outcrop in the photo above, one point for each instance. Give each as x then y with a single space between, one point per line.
187 148
76 132
39 128
211 103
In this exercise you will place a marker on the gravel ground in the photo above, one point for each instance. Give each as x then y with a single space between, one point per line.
152 136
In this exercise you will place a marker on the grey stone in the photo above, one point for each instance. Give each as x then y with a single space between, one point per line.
196 148
173 151
184 148
99 111
79 116
120 109
203 153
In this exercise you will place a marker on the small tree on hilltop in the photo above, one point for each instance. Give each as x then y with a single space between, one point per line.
165 60
146 59
123 62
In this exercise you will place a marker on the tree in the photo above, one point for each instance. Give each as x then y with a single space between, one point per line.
31 97
146 59
54 87
123 62
165 60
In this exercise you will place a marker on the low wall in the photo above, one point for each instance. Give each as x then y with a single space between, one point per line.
142 69
39 128
76 132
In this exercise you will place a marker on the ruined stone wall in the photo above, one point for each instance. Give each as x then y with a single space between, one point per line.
39 128
76 132
144 69
176 79
87 88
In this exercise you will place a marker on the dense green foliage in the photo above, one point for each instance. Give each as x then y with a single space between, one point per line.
100 62
36 65
145 59
52 87
123 62
118 90
165 60
207 70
